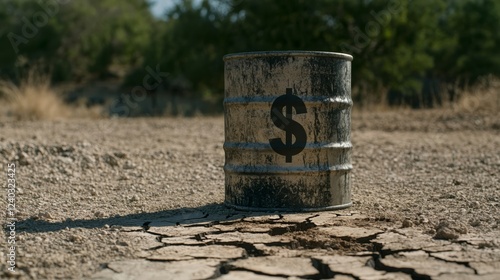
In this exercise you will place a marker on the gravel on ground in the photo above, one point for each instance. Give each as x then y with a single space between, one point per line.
86 189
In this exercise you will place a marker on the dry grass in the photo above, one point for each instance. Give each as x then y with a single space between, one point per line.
35 99
484 98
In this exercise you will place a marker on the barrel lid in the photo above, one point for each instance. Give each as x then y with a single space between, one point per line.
286 53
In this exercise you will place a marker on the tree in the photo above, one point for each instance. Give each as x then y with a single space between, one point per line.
75 39
470 44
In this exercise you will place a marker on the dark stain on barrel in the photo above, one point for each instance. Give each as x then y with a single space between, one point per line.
276 61
276 193
269 159
322 76
317 125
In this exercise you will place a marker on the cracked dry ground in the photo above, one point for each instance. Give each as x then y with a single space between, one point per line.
142 199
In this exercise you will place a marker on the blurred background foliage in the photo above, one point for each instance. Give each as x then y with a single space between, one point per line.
419 53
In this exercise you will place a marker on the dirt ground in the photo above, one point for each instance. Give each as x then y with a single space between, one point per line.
142 199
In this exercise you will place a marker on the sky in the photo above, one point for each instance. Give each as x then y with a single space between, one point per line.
159 6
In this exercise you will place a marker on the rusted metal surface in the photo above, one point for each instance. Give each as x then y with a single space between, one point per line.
287 130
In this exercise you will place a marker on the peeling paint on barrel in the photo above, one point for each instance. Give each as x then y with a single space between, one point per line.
256 176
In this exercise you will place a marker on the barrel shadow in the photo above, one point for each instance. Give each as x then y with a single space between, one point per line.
210 213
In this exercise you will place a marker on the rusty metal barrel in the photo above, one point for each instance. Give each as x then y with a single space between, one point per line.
287 118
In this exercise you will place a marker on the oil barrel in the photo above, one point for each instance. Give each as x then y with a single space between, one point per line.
287 118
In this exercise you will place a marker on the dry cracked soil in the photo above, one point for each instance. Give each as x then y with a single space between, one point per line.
143 199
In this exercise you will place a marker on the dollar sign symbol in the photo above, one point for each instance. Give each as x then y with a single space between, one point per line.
290 126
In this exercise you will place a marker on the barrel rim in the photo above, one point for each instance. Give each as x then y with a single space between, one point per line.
286 53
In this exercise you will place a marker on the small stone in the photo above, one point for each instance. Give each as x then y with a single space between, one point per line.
475 204
106 226
134 198
446 234
85 144
98 214
64 149
120 155
88 159
122 243
447 230
75 238
423 220
45 215
456 182
111 160
65 160
129 165
41 151
24 159
475 222
407 223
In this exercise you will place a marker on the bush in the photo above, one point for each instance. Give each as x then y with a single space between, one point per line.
33 99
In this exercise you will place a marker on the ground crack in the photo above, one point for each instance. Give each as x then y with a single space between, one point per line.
325 272
466 264
226 268
378 265
106 265
378 247
303 226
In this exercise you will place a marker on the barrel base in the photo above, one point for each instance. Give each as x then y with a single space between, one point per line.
258 209
296 191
